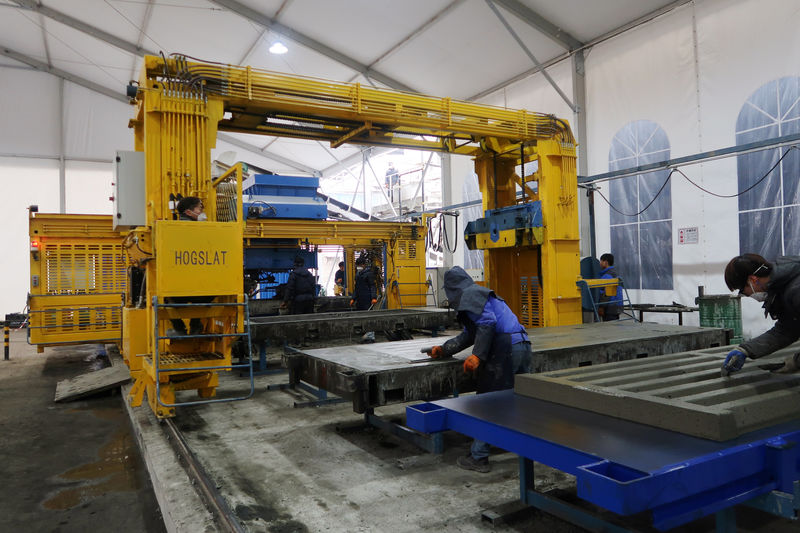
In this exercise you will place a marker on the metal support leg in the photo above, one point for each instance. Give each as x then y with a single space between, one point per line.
726 520
431 443
557 507
321 395
263 369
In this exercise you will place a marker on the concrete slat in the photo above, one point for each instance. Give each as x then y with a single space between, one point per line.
696 400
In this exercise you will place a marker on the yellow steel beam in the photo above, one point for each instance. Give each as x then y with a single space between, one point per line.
312 231
330 232
278 104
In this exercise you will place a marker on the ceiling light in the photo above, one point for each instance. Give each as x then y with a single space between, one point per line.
278 48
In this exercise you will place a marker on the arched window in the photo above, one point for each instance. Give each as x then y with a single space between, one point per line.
641 244
769 215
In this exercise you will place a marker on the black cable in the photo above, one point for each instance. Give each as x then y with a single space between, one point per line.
645 207
753 186
443 230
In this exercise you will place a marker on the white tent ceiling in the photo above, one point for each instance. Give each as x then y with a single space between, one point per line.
464 49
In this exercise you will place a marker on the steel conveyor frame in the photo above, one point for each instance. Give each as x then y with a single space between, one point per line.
625 467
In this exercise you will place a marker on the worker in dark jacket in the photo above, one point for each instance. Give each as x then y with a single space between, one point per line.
493 329
340 280
778 286
365 292
188 208
611 305
301 290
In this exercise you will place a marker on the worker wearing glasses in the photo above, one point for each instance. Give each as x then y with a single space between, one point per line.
778 287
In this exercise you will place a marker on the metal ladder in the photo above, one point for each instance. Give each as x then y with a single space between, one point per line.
157 355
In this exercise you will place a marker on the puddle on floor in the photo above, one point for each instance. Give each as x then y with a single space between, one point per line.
114 471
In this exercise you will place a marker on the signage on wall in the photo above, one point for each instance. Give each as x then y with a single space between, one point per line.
688 235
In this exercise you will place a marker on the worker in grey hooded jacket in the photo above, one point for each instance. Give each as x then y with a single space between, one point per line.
778 286
494 330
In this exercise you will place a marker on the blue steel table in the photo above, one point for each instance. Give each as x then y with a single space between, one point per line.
626 467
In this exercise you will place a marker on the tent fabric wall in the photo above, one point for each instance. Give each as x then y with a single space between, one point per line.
26 182
29 112
691 71
95 126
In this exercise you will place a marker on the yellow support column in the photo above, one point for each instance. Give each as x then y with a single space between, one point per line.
560 251
537 281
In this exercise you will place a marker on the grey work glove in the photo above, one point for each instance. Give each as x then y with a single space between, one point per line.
790 364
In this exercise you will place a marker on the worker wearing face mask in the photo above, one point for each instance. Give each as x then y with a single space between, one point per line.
189 208
778 287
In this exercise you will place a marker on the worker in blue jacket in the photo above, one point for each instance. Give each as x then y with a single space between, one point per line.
611 305
501 346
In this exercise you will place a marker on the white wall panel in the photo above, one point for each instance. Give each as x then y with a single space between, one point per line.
25 182
648 74
535 93
741 46
96 126
89 188
694 89
29 112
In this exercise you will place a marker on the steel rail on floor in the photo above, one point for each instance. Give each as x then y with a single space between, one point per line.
224 516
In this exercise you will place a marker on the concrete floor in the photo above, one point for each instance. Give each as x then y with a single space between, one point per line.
281 469
72 466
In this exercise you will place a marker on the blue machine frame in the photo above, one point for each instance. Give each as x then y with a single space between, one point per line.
625 467
516 217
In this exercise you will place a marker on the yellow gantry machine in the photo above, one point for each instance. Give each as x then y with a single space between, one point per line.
531 242
194 269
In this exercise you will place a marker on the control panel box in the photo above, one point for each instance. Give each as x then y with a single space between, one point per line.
129 196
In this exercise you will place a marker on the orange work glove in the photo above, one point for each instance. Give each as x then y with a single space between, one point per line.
434 351
374 301
471 363
352 302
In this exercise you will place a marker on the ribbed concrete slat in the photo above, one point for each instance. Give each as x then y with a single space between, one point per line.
696 383
693 398
745 392
628 377
588 372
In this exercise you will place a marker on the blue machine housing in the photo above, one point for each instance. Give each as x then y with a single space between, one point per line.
269 261
276 258
274 196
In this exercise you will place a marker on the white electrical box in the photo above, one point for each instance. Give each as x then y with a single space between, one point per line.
475 273
129 201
